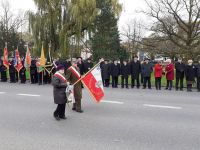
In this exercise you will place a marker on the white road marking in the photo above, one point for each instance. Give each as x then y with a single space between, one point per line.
2 92
112 102
161 106
31 95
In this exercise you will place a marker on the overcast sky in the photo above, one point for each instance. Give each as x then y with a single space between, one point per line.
129 9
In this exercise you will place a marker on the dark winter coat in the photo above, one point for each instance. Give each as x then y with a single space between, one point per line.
190 72
105 71
59 88
81 67
125 70
88 66
33 68
146 70
180 70
115 70
135 69
198 70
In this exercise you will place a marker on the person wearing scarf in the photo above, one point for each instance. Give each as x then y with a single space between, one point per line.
59 87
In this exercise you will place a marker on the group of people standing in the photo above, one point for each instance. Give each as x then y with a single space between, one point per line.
141 72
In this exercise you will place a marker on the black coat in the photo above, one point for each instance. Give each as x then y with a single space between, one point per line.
190 73
81 67
105 70
180 70
135 69
146 69
33 68
59 88
88 66
198 70
125 70
115 70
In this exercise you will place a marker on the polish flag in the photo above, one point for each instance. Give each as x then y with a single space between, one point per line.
93 81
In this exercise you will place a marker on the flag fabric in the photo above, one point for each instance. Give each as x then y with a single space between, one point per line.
93 81
5 58
27 62
42 58
17 61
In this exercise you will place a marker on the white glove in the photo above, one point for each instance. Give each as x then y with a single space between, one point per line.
71 88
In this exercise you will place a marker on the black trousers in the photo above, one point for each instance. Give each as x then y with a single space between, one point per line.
124 78
179 79
3 76
133 82
158 83
106 82
12 78
114 81
40 78
147 80
169 84
33 78
198 83
60 110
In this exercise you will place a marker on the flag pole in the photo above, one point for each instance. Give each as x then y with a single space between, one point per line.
87 72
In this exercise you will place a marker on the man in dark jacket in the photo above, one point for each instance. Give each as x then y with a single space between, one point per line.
190 73
80 65
106 73
180 71
147 69
59 83
12 71
3 71
33 72
88 65
115 72
125 72
198 76
135 72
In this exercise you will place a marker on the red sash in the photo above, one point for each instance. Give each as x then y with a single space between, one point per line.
60 76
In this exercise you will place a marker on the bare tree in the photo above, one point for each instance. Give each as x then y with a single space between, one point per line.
132 33
177 21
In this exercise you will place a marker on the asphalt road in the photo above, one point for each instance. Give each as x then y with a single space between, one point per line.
126 120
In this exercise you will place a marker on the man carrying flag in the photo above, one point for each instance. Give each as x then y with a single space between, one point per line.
73 75
40 66
17 61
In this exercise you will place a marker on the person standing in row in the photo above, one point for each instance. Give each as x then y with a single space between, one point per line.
3 71
33 72
169 70
73 75
22 75
59 83
125 72
180 71
158 71
115 72
106 73
190 73
146 70
12 71
135 72
88 65
198 75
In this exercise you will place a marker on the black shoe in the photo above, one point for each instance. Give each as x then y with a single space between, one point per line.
79 111
74 108
64 118
57 118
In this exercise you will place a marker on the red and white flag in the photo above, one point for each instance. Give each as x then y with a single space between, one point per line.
27 62
93 81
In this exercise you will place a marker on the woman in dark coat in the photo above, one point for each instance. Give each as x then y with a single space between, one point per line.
3 71
59 83
190 73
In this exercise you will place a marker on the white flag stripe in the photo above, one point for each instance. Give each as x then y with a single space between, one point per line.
31 95
112 102
97 74
161 106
